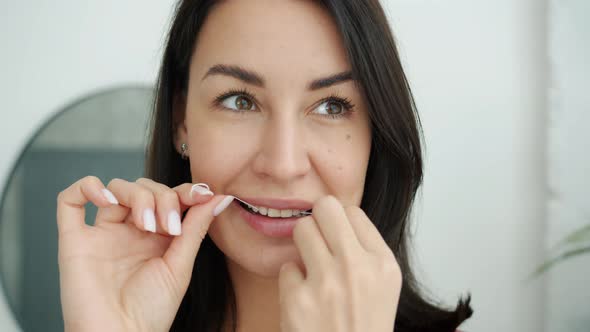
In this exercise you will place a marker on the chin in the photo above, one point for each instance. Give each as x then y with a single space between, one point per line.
248 251
266 262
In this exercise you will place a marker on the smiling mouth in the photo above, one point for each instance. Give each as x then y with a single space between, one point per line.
273 213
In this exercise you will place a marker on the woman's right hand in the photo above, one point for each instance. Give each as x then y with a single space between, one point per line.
116 275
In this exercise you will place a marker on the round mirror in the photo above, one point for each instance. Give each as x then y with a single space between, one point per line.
104 135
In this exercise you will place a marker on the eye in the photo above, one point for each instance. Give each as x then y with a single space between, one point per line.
334 107
238 102
331 108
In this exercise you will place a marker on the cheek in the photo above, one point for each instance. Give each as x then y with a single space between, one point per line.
205 154
217 151
342 164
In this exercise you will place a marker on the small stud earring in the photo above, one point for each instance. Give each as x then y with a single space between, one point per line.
183 148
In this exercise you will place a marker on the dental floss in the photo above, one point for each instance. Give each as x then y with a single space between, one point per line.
305 213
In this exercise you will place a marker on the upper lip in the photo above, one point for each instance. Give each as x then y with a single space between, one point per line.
278 203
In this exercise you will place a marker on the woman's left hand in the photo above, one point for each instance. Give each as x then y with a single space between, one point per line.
351 281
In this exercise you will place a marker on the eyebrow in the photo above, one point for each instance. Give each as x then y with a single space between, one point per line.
251 77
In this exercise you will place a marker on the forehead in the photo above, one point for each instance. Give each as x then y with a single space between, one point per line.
279 38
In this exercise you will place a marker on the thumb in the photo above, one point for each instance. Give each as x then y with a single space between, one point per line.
180 256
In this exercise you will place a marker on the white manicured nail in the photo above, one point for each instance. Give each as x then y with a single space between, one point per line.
201 189
222 205
204 185
174 223
149 220
109 196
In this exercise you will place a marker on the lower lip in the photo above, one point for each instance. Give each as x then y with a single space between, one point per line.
273 227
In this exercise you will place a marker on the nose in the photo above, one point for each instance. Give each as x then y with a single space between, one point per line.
283 155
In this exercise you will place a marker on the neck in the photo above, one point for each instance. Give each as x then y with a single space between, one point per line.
257 300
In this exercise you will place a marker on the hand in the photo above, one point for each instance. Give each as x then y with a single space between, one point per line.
115 275
352 281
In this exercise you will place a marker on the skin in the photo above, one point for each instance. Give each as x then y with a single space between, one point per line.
291 150
335 274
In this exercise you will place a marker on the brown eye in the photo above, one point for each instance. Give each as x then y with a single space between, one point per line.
331 108
238 103
334 108
243 103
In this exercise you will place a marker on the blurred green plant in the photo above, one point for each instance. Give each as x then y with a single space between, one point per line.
575 244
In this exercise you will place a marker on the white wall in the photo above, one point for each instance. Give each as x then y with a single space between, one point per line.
568 295
479 72
478 69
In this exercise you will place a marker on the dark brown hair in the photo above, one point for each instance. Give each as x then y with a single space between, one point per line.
393 176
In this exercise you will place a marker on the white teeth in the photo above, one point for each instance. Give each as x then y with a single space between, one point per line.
274 213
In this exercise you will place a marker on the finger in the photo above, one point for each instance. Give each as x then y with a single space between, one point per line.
113 213
366 232
181 254
167 206
335 228
311 246
290 277
141 201
171 202
191 194
71 201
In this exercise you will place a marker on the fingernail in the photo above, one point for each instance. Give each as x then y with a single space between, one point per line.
204 185
109 196
201 189
222 205
174 223
149 220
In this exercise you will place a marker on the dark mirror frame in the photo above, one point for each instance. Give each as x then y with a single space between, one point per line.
40 283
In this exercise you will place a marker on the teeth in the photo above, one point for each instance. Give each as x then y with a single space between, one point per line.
274 213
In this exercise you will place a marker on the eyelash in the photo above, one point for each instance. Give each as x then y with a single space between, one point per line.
345 102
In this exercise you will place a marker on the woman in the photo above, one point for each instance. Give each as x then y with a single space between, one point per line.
296 122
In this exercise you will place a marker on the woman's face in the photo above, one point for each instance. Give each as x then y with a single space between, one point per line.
260 125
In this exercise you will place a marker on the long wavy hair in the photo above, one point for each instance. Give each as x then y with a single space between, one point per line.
393 176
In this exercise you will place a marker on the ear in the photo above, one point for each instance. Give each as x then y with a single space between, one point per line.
178 123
